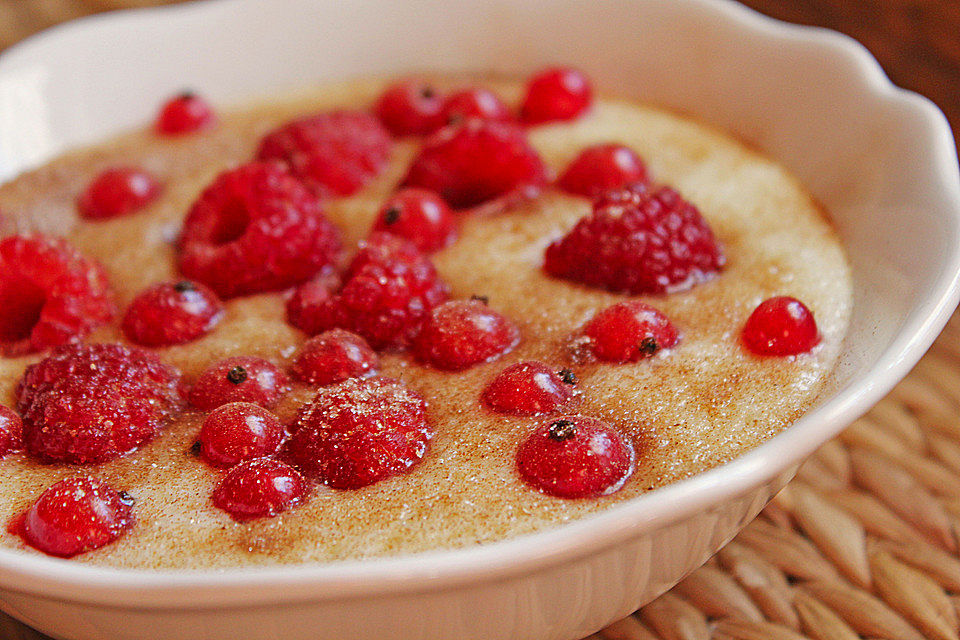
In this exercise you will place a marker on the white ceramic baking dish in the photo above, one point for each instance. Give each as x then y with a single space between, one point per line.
882 161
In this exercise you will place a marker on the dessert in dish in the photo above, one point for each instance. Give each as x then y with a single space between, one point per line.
386 317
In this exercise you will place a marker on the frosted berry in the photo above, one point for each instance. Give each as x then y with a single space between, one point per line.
418 215
49 293
172 313
116 192
239 431
475 103
77 515
556 94
11 431
530 388
91 403
256 228
260 488
637 241
575 457
781 326
334 154
238 379
359 432
182 114
602 168
476 161
461 333
627 332
410 107
333 356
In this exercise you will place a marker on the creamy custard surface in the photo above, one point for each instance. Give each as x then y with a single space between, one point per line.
686 410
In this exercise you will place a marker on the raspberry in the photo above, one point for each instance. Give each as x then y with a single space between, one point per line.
11 431
781 326
627 332
92 403
475 103
256 228
172 313
575 457
411 107
238 379
461 333
239 431
529 389
637 242
335 154
420 216
556 94
476 161
117 192
334 356
601 168
359 432
50 294
182 114
76 515
259 488
389 289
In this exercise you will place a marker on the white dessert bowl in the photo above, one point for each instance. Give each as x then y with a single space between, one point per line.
881 160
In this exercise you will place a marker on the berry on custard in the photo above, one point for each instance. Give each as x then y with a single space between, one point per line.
172 313
410 107
420 216
183 114
602 168
238 379
461 333
334 154
49 293
11 431
359 432
256 228
575 457
92 403
627 332
239 431
781 326
117 192
77 515
333 356
557 93
475 103
637 241
260 488
529 389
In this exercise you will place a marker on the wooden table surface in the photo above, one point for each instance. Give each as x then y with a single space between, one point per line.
916 41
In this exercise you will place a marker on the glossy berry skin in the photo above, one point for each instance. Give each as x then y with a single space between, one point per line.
49 293
359 432
556 94
475 103
239 379
528 389
11 431
420 216
92 403
410 107
575 457
461 333
182 114
259 488
172 313
333 356
476 161
637 241
334 154
77 515
781 326
627 332
256 228
603 167
117 192
239 431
